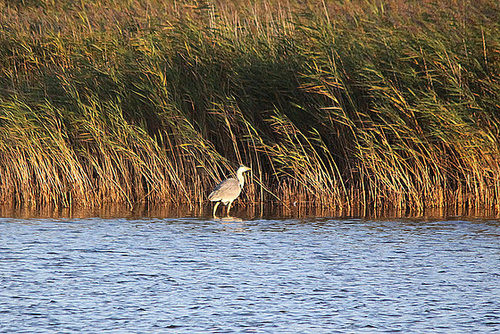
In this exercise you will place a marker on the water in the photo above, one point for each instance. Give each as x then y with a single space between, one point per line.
190 275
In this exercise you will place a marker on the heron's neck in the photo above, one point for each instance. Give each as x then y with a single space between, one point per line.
241 179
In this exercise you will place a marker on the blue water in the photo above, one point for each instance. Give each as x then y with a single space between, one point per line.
145 275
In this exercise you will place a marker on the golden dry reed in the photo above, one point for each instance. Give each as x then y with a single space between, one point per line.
372 103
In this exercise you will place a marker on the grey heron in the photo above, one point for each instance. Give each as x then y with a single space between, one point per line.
228 190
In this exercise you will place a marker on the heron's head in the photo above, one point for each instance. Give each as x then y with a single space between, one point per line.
243 169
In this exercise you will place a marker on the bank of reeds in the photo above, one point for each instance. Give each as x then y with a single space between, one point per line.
379 103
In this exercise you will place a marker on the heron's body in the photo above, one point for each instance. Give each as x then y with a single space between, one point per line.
228 190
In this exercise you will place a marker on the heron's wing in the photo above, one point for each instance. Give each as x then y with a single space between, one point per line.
227 190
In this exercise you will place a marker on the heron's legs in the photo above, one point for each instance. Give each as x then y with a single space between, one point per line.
215 207
229 207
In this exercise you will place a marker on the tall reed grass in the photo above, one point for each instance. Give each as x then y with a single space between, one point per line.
378 103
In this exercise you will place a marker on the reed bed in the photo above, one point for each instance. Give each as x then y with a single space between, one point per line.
345 104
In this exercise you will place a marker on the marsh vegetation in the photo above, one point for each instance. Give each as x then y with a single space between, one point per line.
382 103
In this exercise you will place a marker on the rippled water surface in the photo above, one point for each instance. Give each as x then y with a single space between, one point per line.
276 276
